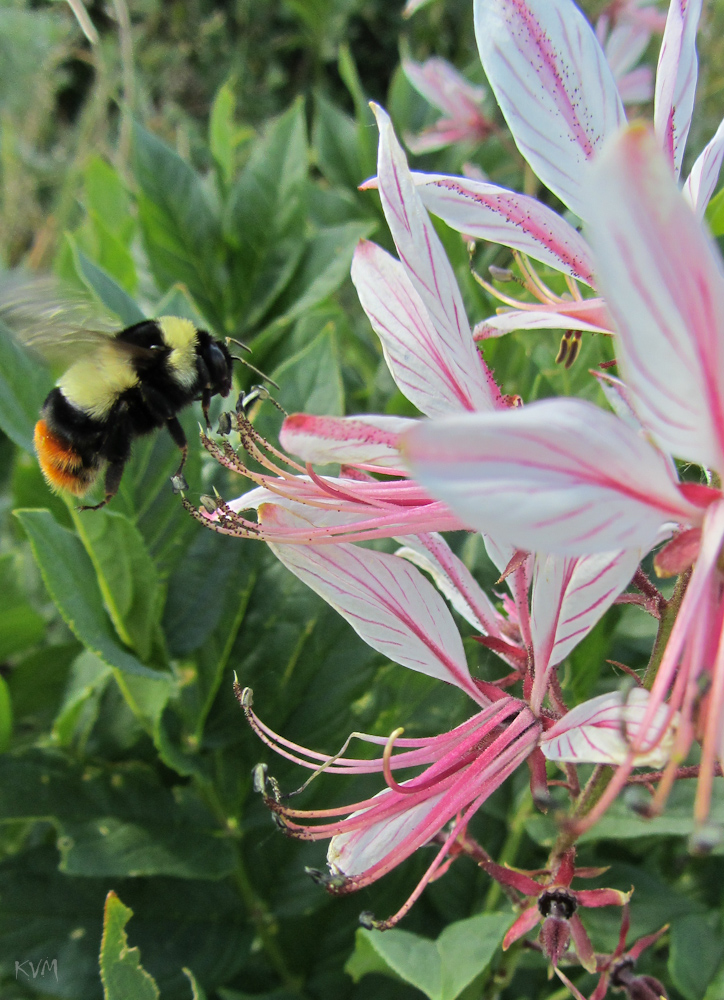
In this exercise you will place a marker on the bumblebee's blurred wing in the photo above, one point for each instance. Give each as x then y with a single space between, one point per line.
58 322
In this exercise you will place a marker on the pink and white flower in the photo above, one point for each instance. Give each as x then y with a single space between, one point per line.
396 610
559 97
464 118
565 476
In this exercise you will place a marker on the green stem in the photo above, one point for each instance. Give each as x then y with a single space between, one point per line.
256 909
510 849
669 612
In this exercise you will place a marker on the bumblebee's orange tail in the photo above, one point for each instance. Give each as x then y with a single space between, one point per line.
61 465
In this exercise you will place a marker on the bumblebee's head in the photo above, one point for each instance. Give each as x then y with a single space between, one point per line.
218 363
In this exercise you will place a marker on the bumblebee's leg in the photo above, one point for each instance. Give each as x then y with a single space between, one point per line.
205 403
114 473
177 433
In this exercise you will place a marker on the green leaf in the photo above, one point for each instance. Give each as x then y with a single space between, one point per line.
334 139
620 822
122 974
21 626
114 820
126 576
6 716
198 993
112 254
47 914
266 216
311 382
715 214
108 291
24 384
696 951
69 576
107 199
81 701
180 230
441 969
224 135
324 266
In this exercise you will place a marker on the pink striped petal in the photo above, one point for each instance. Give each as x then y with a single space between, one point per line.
387 602
569 596
602 730
702 180
430 273
421 362
553 85
367 440
453 579
663 282
637 86
488 212
676 77
559 475
532 319
625 46
440 83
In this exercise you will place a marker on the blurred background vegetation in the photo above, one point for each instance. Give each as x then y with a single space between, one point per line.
202 158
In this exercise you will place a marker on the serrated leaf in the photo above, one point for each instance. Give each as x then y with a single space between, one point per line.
70 579
180 230
24 384
441 969
47 914
126 576
114 821
122 974
197 992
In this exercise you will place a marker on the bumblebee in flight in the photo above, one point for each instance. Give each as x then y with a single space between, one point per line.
122 386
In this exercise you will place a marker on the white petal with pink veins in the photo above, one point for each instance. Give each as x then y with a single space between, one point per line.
356 852
569 596
532 319
603 730
663 282
559 475
387 602
453 579
676 77
440 83
488 212
421 362
553 85
364 440
702 180
430 272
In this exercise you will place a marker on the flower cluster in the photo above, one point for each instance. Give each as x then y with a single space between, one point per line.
569 497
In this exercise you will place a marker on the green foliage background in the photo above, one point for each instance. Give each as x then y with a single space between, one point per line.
202 159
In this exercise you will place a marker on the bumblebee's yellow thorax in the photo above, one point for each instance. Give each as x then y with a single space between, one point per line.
180 335
94 383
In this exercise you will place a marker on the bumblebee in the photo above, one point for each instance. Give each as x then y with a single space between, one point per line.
123 385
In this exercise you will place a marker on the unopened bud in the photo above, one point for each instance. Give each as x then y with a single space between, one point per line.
638 801
327 880
705 838
224 427
210 504
501 274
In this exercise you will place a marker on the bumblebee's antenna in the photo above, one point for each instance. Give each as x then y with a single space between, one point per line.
239 343
259 372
